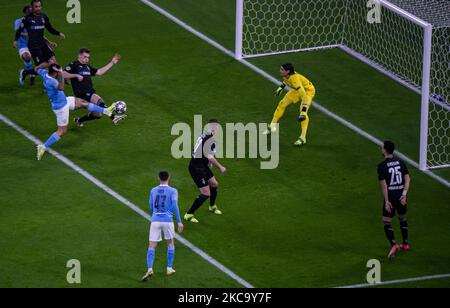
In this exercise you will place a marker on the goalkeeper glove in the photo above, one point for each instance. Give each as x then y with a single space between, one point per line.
280 89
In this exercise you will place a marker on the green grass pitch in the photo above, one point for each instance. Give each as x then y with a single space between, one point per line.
313 222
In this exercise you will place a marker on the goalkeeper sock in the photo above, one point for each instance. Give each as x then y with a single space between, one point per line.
54 138
304 125
212 199
150 257
197 203
170 255
389 233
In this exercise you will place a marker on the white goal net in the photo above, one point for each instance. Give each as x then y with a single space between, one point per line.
410 43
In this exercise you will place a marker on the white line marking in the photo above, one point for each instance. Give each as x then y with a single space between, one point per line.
384 283
129 204
275 81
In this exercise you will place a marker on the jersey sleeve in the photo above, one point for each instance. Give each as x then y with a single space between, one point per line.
381 172
404 169
70 68
94 71
49 26
151 201
19 29
41 72
176 210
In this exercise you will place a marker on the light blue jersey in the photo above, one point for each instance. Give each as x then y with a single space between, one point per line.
23 40
164 204
56 96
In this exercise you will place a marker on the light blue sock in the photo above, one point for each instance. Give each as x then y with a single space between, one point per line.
95 108
150 257
28 65
170 256
54 138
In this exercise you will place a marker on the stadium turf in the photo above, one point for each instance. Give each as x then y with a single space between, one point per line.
314 221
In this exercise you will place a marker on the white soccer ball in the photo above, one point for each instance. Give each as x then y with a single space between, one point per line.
121 107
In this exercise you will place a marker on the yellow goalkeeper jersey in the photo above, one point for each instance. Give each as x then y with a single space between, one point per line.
298 82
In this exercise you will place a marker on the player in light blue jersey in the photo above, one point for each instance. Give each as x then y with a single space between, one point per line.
22 46
163 206
61 105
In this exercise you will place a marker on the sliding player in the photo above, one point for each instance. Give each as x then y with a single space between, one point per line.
303 91
84 89
35 24
61 105
163 205
394 180
202 156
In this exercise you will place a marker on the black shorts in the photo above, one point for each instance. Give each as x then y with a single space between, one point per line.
41 55
200 174
398 208
85 95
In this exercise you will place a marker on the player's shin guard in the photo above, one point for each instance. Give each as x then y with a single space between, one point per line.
150 257
197 203
170 256
212 199
54 138
389 233
404 229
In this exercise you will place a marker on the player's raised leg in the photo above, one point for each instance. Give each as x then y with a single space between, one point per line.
80 103
279 112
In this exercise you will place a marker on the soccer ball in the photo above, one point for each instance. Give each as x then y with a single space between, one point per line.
121 107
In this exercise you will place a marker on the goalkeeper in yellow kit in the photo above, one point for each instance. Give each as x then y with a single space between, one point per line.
302 91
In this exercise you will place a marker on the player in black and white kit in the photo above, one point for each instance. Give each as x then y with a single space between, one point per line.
84 88
394 180
35 24
199 167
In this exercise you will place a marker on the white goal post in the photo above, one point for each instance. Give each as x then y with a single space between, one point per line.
413 50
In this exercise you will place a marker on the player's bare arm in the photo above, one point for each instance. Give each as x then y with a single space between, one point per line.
404 198
108 66
213 160
67 75
60 78
384 191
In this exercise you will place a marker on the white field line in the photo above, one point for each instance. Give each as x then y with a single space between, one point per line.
275 81
389 282
128 203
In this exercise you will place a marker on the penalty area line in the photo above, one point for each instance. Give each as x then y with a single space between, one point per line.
261 72
126 202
